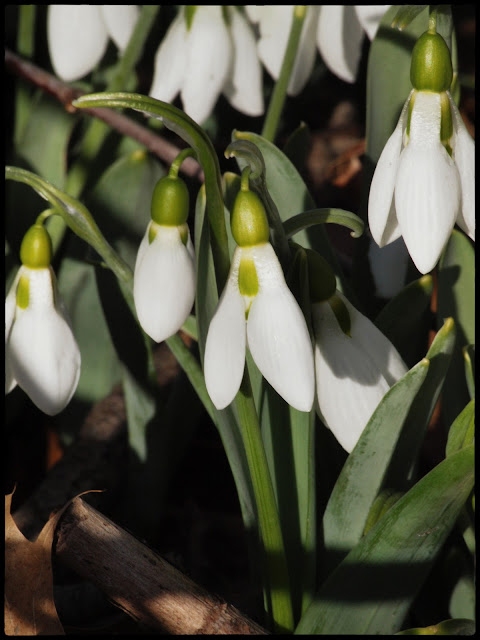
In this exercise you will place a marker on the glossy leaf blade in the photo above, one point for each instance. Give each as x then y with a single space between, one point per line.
373 588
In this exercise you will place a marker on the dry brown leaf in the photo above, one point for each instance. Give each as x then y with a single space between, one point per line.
29 605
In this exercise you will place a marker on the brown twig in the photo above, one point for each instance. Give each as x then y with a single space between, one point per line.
65 94
139 581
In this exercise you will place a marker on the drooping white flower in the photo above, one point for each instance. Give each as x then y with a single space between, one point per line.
337 30
340 34
204 55
425 178
258 310
164 280
164 276
273 327
353 373
78 35
41 353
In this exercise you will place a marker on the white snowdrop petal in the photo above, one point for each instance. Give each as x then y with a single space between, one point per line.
170 62
382 352
209 61
339 40
464 157
224 359
277 334
274 24
382 218
244 88
44 355
349 384
77 39
10 306
163 284
120 20
370 16
427 190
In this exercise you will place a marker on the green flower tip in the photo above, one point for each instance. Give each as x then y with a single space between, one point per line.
249 220
321 278
431 66
36 248
170 202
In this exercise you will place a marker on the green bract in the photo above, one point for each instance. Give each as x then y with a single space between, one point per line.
431 67
36 248
170 202
249 220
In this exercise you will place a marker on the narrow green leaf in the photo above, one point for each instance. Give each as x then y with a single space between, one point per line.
456 299
298 145
406 319
404 461
141 407
454 627
365 468
373 588
462 431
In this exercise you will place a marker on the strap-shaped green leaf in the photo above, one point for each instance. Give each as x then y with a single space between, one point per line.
373 588
453 627
462 431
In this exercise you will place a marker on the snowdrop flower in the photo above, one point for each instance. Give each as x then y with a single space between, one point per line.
41 354
355 364
164 276
340 33
209 50
78 35
424 181
274 24
257 309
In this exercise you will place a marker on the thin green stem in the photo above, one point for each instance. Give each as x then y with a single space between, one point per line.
277 578
25 47
277 101
177 163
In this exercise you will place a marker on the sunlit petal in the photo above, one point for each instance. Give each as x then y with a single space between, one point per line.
120 20
464 157
224 360
163 284
277 334
339 40
170 62
244 88
44 355
370 16
349 383
209 62
427 191
10 306
382 217
305 58
77 39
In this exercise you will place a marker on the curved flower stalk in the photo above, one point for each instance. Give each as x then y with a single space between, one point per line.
78 35
164 276
340 34
209 50
257 309
338 31
355 364
424 181
41 353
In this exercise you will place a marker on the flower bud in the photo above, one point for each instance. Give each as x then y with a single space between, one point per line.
36 248
431 66
170 202
249 220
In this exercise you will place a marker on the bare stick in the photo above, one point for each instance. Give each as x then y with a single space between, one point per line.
65 94
139 581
